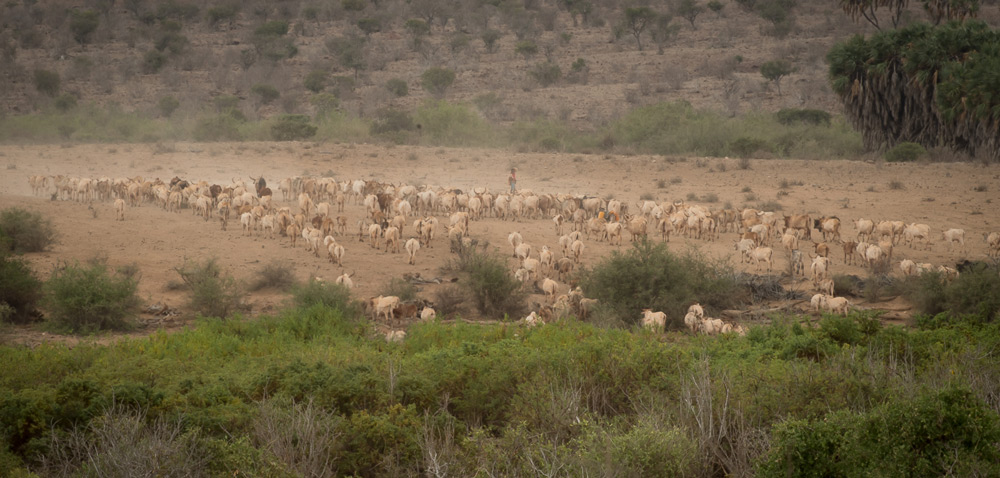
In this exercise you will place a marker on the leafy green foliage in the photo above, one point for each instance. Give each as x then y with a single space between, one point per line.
490 37
82 24
946 95
22 231
546 74
636 19
452 124
397 87
926 436
905 152
493 289
334 296
167 105
292 128
213 293
315 81
89 298
273 275
222 127
689 10
745 147
266 93
390 121
649 276
436 80
973 292
808 116
47 82
775 70
20 290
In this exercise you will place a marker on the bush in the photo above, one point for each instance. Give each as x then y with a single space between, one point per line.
47 82
171 42
167 105
546 73
90 298
490 38
745 147
325 103
65 102
493 289
315 81
649 276
403 289
153 61
213 294
272 28
25 231
82 24
266 93
220 13
973 292
292 128
938 433
436 80
332 295
222 127
391 120
905 152
397 87
20 290
789 116
274 275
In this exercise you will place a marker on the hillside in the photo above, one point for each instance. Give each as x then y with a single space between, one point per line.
713 62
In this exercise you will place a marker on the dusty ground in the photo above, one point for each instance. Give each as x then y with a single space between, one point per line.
941 195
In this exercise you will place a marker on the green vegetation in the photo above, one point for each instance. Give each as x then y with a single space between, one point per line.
266 93
948 90
47 82
788 116
839 399
292 128
82 24
20 290
22 231
905 152
663 128
493 289
972 294
273 275
775 70
436 80
214 293
397 87
546 74
650 276
89 298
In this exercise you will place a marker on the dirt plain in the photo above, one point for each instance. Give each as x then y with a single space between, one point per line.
942 195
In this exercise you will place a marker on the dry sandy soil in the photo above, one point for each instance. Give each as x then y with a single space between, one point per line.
941 195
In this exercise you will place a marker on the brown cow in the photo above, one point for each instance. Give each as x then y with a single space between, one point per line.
799 222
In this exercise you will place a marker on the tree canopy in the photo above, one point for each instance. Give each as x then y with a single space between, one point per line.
935 86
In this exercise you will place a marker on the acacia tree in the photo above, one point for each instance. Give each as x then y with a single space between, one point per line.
868 9
774 70
689 10
636 20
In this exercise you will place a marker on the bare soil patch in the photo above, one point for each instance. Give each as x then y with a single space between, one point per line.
941 195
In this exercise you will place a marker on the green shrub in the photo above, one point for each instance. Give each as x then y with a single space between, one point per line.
90 298
292 128
223 127
65 102
332 295
490 38
47 82
650 276
25 231
905 152
397 87
973 292
82 24
938 433
167 105
266 93
546 73
213 294
274 275
789 116
450 124
390 120
745 147
315 81
153 61
325 103
220 13
401 288
436 80
20 290
272 28
171 42
494 290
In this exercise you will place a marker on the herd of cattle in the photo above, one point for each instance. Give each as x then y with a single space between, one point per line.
317 217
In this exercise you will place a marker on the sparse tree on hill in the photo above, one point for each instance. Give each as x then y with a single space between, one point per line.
774 70
436 80
490 38
663 31
369 26
636 20
689 10
83 24
418 30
